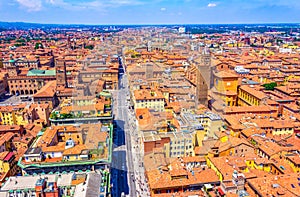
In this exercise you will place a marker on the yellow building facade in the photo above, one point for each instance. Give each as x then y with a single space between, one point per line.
8 165
12 115
211 165
294 162
249 96
225 86
149 99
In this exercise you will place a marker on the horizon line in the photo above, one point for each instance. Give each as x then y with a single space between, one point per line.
153 24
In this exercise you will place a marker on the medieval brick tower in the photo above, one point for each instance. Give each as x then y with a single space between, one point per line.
61 75
203 77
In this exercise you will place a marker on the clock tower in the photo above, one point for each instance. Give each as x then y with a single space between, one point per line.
11 67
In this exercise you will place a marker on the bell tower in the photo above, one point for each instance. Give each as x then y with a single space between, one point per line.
11 68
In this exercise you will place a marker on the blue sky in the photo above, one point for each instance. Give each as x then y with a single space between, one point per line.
150 11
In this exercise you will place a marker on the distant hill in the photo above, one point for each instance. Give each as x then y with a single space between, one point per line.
25 26
17 25
190 28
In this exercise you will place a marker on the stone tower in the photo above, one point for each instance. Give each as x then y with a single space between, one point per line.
61 75
149 70
203 77
205 66
12 69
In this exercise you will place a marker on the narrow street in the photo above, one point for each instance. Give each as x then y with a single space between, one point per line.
122 164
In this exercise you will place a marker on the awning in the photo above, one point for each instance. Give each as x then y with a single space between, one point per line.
8 156
208 186
221 192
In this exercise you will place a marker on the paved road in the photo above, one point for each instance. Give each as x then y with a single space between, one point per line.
122 165
123 95
138 160
134 149
10 100
127 153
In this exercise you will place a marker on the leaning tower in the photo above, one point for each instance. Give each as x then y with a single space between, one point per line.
203 77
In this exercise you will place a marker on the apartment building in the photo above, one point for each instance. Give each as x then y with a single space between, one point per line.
149 98
69 148
174 144
250 96
176 178
209 121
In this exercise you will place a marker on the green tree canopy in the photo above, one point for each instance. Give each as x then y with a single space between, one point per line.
38 45
91 47
270 86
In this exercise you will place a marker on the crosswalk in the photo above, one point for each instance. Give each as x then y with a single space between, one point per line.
119 148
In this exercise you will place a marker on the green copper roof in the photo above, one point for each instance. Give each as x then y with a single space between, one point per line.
35 72
11 61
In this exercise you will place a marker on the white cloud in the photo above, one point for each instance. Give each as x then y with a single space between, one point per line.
56 2
60 3
90 5
290 3
163 9
95 4
125 2
31 5
210 5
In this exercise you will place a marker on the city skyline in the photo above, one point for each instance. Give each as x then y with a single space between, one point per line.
149 12
149 110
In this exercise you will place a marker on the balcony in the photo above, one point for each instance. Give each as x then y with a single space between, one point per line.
80 118
60 163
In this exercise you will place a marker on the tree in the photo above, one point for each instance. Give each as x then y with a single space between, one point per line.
91 47
79 115
270 86
19 44
20 40
53 116
63 116
38 45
